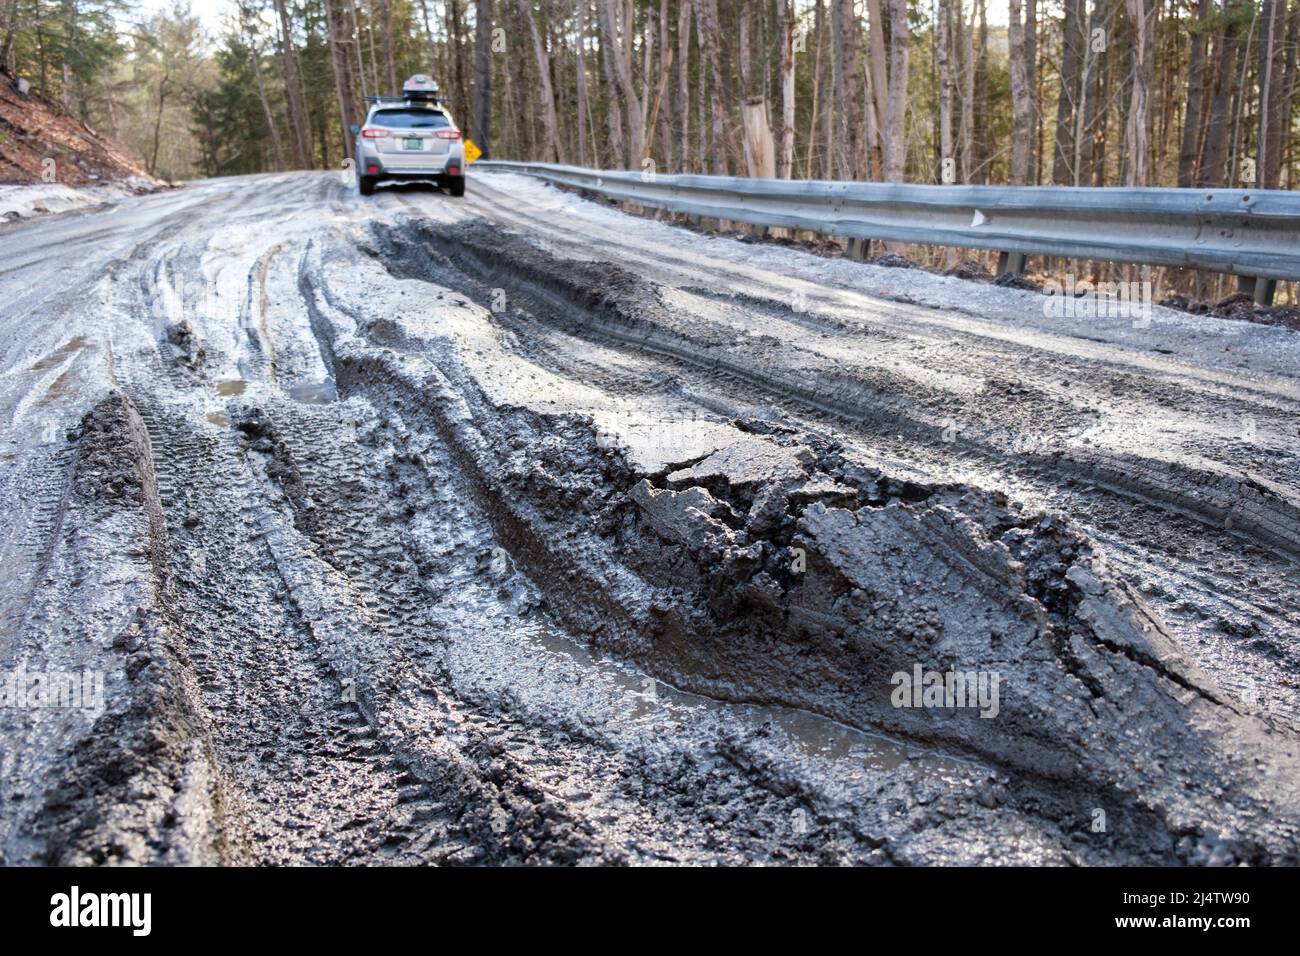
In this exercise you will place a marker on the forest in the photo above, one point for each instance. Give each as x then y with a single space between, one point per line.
1077 92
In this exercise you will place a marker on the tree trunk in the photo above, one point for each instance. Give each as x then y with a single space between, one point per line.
390 65
1274 109
760 149
821 102
551 150
1142 19
1021 104
1215 156
967 102
294 97
981 98
1068 102
943 43
1189 153
1289 94
683 80
617 31
10 31
482 115
878 68
580 36
706 17
847 89
336 22
896 128
456 40
789 26
613 104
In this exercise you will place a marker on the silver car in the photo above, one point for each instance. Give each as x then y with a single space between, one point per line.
411 137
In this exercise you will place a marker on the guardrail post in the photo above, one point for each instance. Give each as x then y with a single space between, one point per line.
1261 290
1013 262
859 249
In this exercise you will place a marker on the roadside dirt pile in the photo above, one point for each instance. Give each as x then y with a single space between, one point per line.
34 130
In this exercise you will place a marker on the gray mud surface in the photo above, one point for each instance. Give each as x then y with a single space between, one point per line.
520 531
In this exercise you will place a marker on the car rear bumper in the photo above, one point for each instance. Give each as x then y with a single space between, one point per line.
440 179
381 167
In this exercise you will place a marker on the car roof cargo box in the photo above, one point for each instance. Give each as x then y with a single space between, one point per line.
420 89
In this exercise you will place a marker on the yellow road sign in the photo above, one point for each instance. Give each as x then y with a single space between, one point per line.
472 152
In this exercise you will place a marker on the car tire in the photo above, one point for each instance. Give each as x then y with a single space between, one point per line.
456 185
366 185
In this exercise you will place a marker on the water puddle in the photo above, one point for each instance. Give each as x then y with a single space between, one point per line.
314 393
220 419
815 738
231 387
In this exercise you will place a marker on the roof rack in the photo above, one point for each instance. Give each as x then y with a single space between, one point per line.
408 100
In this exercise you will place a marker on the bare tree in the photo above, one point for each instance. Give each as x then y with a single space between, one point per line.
846 69
706 16
1073 40
895 124
482 115
618 29
943 51
1142 21
789 27
553 152
684 79
1021 104
295 99
580 44
339 39
386 20
1274 108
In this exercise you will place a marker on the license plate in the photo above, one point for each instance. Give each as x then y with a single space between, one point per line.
413 142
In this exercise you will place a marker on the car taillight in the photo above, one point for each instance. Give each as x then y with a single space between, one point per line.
448 134
371 133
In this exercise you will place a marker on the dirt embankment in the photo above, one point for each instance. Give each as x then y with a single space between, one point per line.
34 130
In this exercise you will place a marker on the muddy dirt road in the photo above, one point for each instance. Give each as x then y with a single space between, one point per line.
518 530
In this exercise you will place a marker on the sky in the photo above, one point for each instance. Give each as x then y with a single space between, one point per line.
211 12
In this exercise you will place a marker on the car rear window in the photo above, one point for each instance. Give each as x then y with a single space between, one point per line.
410 119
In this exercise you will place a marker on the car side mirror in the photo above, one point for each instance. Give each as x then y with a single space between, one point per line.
355 129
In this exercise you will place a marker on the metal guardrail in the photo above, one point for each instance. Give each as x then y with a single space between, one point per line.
1251 233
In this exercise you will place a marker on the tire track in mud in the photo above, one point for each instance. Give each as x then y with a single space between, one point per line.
420 623
1242 555
274 609
560 292
1096 663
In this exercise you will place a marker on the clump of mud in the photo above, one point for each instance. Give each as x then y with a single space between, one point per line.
890 261
1239 306
112 454
1014 280
187 349
970 270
